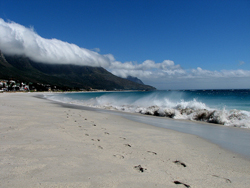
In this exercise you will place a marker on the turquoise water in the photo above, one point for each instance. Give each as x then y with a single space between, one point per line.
226 107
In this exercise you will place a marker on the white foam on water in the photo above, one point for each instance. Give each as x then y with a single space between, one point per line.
166 106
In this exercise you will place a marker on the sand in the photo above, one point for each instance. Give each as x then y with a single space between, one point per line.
43 144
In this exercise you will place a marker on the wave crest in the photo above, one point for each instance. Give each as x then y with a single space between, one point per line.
176 109
234 118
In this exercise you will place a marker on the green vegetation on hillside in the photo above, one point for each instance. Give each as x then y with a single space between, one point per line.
63 76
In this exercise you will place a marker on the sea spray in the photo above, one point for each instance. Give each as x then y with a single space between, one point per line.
221 107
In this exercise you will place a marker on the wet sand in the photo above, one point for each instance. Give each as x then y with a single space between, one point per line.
46 145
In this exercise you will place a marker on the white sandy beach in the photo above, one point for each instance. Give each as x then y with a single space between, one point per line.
46 145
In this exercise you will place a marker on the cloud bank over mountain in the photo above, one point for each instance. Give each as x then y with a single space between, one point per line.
16 39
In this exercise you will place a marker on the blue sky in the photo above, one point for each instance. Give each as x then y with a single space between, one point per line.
210 38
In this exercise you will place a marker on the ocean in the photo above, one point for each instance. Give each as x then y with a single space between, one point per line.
224 107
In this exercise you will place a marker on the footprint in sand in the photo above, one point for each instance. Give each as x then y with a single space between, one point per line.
119 156
96 140
226 179
139 168
178 182
180 163
151 152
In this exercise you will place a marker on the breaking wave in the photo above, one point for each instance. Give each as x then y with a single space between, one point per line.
172 105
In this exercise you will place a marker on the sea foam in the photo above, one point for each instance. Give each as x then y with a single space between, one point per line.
172 106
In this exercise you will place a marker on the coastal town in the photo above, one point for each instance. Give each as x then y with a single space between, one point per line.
13 86
19 86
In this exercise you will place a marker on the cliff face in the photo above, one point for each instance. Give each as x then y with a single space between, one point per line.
70 76
135 79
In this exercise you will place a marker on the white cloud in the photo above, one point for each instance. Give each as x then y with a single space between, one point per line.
174 77
96 49
19 40
16 39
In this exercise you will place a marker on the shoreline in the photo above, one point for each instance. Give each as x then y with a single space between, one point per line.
233 139
230 117
46 145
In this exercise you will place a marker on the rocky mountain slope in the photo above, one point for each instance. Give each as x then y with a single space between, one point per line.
63 76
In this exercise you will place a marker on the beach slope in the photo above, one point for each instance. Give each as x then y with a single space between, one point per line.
43 144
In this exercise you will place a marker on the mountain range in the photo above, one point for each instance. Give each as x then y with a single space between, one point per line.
65 76
135 79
